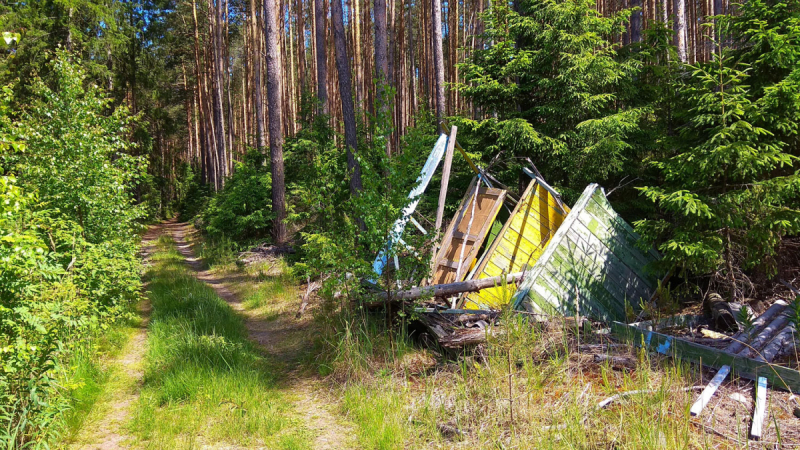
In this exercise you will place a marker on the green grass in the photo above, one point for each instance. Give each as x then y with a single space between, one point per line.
90 376
378 415
204 381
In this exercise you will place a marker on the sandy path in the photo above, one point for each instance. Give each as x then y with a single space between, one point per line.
280 339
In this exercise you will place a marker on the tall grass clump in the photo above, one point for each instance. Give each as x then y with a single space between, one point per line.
204 381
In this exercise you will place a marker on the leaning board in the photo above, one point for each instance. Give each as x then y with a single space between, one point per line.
468 232
519 244
591 263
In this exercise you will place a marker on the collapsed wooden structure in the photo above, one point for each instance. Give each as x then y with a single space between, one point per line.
549 260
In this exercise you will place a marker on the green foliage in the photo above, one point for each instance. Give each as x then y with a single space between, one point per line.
728 193
68 255
555 85
333 240
240 210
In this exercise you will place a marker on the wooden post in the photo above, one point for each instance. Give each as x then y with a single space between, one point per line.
448 161
760 411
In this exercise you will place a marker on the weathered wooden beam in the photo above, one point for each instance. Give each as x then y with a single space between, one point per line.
708 392
761 408
448 161
778 376
465 337
449 289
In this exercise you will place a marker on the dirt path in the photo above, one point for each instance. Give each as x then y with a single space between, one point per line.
104 427
281 339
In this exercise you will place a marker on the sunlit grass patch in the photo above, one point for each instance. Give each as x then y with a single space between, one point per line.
90 374
378 415
204 380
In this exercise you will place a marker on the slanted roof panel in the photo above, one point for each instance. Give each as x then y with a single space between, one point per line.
594 256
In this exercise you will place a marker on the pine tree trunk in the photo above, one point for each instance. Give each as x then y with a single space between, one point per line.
261 136
320 16
381 51
680 29
438 58
636 22
345 91
275 127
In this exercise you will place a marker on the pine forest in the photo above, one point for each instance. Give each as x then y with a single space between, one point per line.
388 224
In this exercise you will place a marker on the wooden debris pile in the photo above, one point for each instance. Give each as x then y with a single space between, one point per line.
454 329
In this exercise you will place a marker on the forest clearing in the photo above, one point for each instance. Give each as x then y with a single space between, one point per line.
371 224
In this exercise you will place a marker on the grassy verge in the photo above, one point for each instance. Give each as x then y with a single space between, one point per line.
204 381
400 396
92 374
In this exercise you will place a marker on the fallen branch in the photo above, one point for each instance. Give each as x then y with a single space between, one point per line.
447 290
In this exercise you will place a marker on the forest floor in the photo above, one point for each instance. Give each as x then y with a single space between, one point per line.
226 362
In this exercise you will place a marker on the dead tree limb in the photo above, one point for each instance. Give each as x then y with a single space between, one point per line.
446 290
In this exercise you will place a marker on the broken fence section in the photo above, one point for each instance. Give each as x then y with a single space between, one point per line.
520 242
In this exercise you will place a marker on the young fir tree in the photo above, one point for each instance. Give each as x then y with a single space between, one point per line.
720 197
730 188
557 89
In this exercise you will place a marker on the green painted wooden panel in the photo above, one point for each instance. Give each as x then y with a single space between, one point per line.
594 255
778 376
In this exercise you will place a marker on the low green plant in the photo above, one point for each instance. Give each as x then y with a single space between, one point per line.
68 257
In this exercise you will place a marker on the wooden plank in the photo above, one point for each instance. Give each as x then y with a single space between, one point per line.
709 391
779 377
448 161
630 256
760 411
629 281
519 243
590 286
602 266
537 269
484 203
462 236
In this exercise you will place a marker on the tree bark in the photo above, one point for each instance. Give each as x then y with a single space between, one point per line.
275 126
381 51
680 29
322 62
345 91
636 21
261 136
438 58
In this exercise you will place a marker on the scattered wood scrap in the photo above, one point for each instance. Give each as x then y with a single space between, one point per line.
778 376
709 391
453 331
761 409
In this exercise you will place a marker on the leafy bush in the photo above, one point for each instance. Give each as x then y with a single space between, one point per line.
69 232
241 210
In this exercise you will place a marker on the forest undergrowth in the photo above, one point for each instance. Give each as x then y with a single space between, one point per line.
400 393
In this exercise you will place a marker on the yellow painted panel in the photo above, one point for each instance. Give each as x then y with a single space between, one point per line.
521 241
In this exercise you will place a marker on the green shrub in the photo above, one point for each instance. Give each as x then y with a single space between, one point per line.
68 245
242 209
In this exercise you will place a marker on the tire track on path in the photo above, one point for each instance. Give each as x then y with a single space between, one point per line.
277 338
